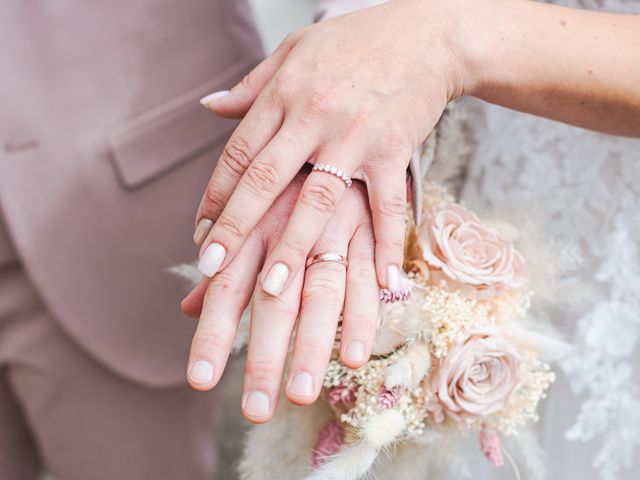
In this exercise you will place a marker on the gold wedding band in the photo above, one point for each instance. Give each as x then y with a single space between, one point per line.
327 257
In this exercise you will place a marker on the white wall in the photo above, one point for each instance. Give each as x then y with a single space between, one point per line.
276 18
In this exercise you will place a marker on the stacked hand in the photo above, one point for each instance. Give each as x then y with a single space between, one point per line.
365 118
316 295
359 93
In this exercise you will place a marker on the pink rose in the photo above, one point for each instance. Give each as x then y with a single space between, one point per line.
469 252
477 377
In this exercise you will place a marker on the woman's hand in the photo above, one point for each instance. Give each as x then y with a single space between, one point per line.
316 295
358 92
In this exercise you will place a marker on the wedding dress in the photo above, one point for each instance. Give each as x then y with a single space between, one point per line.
583 189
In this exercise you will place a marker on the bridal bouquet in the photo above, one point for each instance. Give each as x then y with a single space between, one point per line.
457 359
450 354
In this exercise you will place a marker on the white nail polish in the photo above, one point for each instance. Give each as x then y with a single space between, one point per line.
275 280
212 97
211 259
302 384
257 404
201 372
355 352
393 278
202 230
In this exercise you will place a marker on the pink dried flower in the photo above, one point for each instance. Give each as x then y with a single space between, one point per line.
329 441
491 446
388 398
341 395
406 285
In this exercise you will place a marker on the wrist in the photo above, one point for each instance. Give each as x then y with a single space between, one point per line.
466 33
490 40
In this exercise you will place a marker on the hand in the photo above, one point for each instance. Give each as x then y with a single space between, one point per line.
317 295
358 92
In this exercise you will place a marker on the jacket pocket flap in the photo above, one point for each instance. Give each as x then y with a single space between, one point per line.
144 148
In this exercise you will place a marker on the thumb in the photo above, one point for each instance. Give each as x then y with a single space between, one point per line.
235 103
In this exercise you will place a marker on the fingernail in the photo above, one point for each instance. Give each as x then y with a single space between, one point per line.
355 352
211 259
212 97
393 278
201 372
202 230
302 384
257 404
276 278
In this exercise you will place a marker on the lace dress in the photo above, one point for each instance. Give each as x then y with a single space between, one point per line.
583 189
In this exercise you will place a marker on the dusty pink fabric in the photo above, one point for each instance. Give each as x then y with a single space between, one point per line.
7 251
60 407
104 153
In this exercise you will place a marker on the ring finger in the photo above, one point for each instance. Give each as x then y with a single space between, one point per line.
322 302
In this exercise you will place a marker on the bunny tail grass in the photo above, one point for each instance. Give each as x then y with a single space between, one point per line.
187 271
350 463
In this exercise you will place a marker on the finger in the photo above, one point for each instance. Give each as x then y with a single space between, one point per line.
226 297
251 136
360 315
272 321
388 200
265 178
322 301
316 204
191 305
235 103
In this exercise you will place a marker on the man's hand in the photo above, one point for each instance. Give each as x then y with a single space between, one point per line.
317 295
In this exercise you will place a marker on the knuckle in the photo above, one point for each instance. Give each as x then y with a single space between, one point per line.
319 196
395 244
263 366
394 207
278 307
250 79
232 225
236 156
361 322
211 340
319 103
213 201
294 249
224 284
285 82
262 177
361 270
311 350
321 288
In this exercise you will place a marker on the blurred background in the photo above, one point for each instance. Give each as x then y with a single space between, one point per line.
276 18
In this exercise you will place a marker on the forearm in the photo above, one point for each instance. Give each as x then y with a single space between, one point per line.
576 66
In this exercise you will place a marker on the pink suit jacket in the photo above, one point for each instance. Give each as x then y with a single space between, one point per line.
104 154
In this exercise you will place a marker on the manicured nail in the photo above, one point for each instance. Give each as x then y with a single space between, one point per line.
393 278
211 259
201 372
302 384
355 352
202 230
212 97
275 280
257 404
